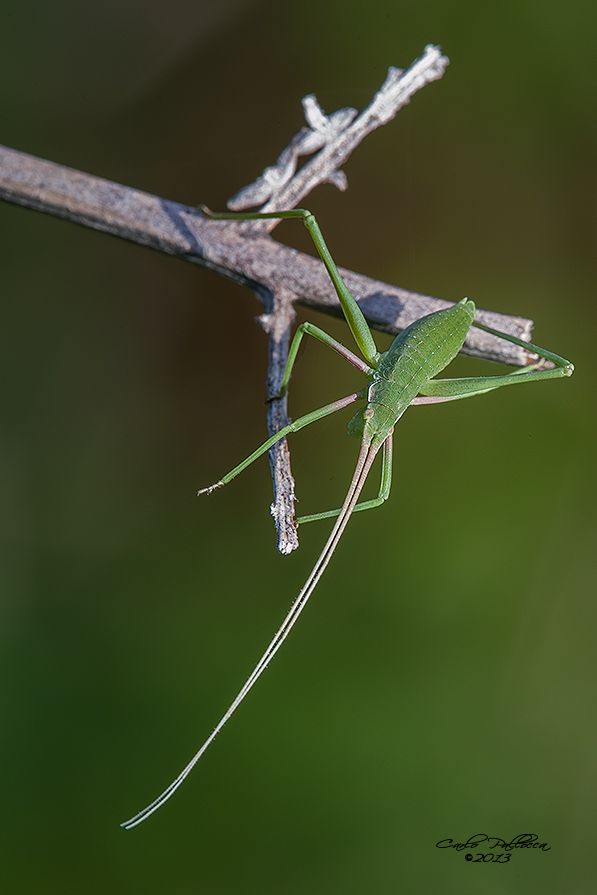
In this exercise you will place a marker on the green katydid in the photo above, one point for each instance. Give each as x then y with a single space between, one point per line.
401 376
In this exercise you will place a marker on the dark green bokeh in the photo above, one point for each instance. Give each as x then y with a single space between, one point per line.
442 683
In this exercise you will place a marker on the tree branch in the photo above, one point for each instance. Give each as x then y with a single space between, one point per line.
335 136
244 252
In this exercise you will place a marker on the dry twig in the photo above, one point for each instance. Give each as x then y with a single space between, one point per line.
247 254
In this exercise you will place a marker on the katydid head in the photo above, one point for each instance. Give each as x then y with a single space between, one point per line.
402 375
356 424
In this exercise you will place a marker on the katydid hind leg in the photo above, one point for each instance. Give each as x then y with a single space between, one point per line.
556 359
437 390
353 314
451 389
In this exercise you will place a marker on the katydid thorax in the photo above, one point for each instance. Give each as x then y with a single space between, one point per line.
403 375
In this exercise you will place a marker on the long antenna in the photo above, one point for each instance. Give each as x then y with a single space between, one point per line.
366 458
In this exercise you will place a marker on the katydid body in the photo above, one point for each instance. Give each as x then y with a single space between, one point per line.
401 376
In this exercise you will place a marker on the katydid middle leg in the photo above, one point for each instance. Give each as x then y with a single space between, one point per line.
299 423
404 371
311 330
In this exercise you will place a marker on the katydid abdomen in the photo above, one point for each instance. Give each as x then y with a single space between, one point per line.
415 356
402 375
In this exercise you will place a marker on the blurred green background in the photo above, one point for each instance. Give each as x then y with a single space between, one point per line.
442 681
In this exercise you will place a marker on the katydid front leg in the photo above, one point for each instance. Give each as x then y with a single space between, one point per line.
384 488
402 375
389 396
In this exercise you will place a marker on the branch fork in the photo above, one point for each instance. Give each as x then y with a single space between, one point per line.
280 188
245 252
